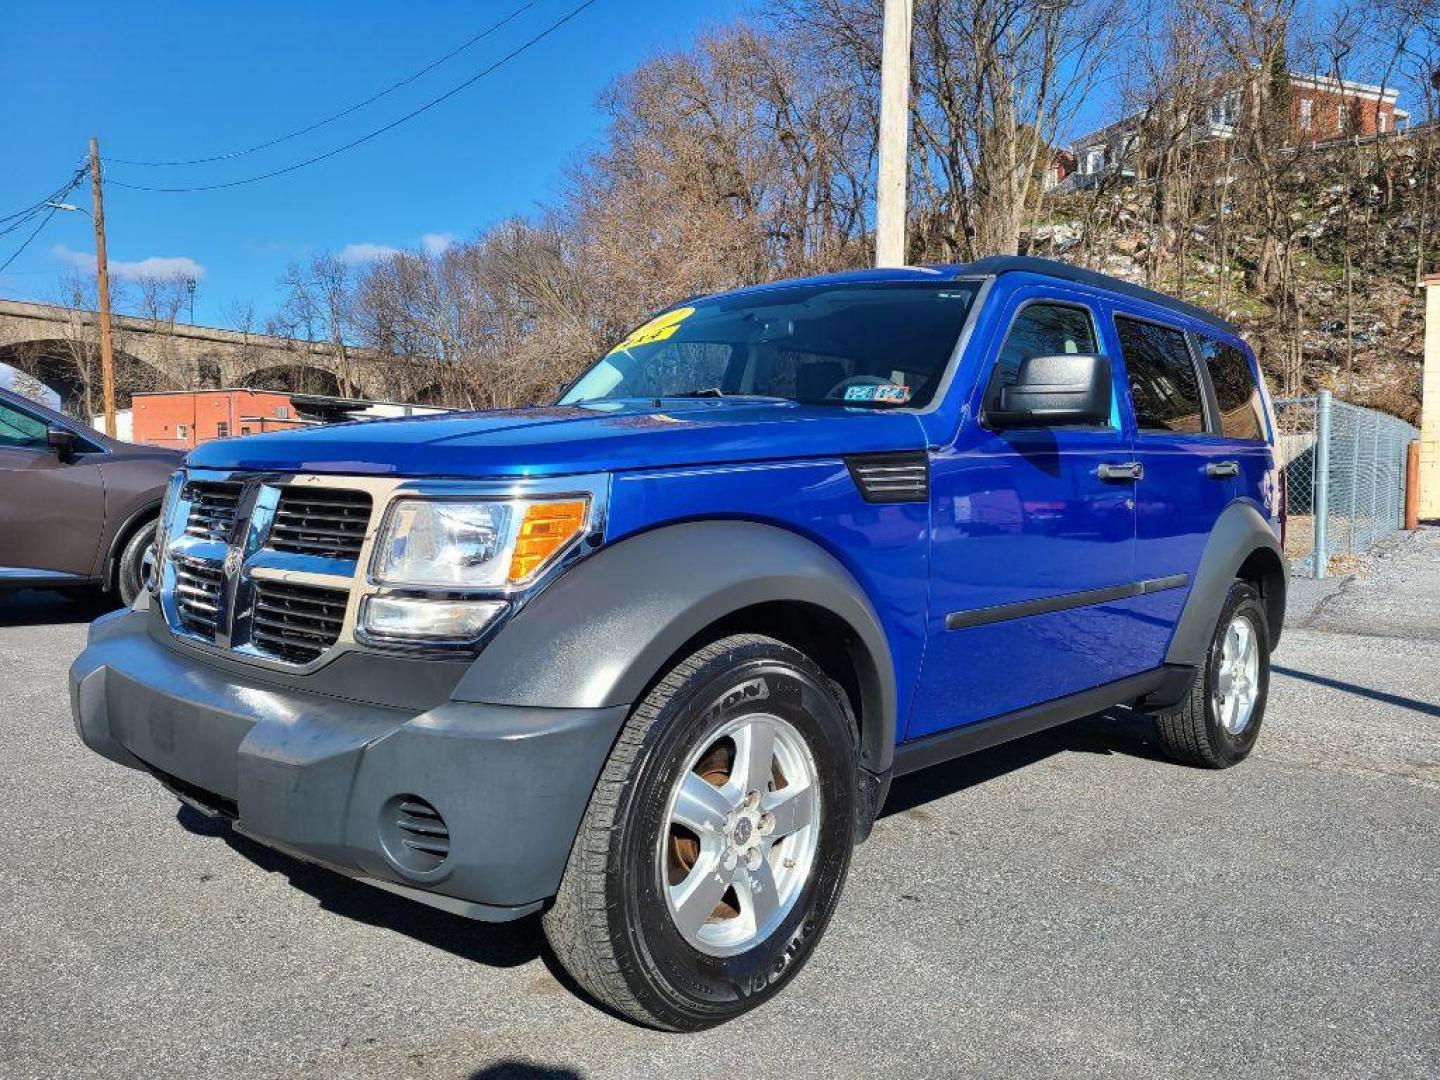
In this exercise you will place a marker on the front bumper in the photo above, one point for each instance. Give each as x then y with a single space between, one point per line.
318 776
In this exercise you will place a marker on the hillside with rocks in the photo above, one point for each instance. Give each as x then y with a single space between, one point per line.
1352 318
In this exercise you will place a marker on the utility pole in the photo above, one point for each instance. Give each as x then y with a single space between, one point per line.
102 275
894 134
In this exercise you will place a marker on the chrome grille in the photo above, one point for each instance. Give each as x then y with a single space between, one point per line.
330 522
197 596
213 506
296 623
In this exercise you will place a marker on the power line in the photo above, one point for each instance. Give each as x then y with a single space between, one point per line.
342 113
58 193
45 221
518 50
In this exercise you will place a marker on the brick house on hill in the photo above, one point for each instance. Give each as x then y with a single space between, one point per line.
1321 109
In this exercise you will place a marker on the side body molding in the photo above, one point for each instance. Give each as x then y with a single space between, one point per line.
1240 534
605 629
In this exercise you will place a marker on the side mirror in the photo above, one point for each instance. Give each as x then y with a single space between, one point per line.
61 442
1054 391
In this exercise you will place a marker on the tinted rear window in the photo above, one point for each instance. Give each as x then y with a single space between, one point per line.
1164 386
1242 415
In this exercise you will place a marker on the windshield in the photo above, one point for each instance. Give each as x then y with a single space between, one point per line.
869 345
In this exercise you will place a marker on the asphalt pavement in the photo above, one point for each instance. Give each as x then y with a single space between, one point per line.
1068 905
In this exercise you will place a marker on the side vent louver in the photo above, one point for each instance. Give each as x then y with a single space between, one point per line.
891 478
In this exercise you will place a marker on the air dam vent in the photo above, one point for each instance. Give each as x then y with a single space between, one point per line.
414 835
324 521
891 478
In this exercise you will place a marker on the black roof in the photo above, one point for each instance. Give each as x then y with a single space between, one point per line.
1006 264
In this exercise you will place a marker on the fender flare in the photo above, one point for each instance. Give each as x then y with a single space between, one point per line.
605 629
1240 535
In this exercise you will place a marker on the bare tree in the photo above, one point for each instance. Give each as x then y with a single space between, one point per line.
318 308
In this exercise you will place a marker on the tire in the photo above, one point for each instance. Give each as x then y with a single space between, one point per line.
619 924
130 568
1207 728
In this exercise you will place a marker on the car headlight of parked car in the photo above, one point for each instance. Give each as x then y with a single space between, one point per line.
433 553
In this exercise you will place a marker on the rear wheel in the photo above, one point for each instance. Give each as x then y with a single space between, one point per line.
1218 721
716 842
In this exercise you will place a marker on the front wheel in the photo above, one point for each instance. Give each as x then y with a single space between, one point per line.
716 842
131 572
1218 721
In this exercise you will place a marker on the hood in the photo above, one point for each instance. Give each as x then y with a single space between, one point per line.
559 440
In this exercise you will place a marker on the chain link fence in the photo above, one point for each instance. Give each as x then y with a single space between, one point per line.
1345 478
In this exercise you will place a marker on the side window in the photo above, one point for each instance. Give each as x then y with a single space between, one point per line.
1163 382
1242 415
18 429
1040 330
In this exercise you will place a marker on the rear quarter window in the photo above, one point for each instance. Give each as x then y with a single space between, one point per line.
1242 414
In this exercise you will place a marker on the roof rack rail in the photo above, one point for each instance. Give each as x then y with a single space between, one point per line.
1007 264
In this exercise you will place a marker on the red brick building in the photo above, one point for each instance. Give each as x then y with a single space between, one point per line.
183 419
1321 109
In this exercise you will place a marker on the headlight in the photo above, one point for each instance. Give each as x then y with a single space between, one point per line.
475 544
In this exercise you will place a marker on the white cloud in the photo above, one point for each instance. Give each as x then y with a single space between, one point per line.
156 266
436 243
367 253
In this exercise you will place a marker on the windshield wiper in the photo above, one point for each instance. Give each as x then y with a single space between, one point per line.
709 391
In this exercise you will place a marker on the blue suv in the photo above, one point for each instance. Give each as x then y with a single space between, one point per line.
648 659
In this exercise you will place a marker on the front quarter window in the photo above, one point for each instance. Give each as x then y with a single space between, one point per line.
867 345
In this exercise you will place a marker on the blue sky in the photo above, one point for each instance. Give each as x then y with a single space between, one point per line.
166 80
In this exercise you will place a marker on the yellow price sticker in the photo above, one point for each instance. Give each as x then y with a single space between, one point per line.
657 329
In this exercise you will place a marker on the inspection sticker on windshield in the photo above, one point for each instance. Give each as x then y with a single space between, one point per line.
657 329
889 393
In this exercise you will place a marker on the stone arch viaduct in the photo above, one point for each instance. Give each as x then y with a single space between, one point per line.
60 347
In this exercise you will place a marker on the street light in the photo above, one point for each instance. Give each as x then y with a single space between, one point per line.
68 208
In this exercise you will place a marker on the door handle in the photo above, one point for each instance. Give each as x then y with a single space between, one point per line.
1218 470
1130 470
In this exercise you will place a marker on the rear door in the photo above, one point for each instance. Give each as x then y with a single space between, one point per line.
51 512
1241 415
1188 467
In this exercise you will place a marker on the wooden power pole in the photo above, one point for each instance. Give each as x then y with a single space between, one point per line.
894 134
102 275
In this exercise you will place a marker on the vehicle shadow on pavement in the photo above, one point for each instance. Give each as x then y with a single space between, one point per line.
1426 707
1115 731
519 1069
496 944
33 607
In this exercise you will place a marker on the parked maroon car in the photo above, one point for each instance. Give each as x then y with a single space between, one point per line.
76 507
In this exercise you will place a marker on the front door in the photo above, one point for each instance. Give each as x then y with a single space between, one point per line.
51 512
1032 544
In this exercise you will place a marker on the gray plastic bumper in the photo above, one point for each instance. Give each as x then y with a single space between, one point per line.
317 776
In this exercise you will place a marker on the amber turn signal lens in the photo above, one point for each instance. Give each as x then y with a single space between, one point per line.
546 528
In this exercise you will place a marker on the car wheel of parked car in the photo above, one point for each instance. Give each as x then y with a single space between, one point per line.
716 841
130 570
1218 721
